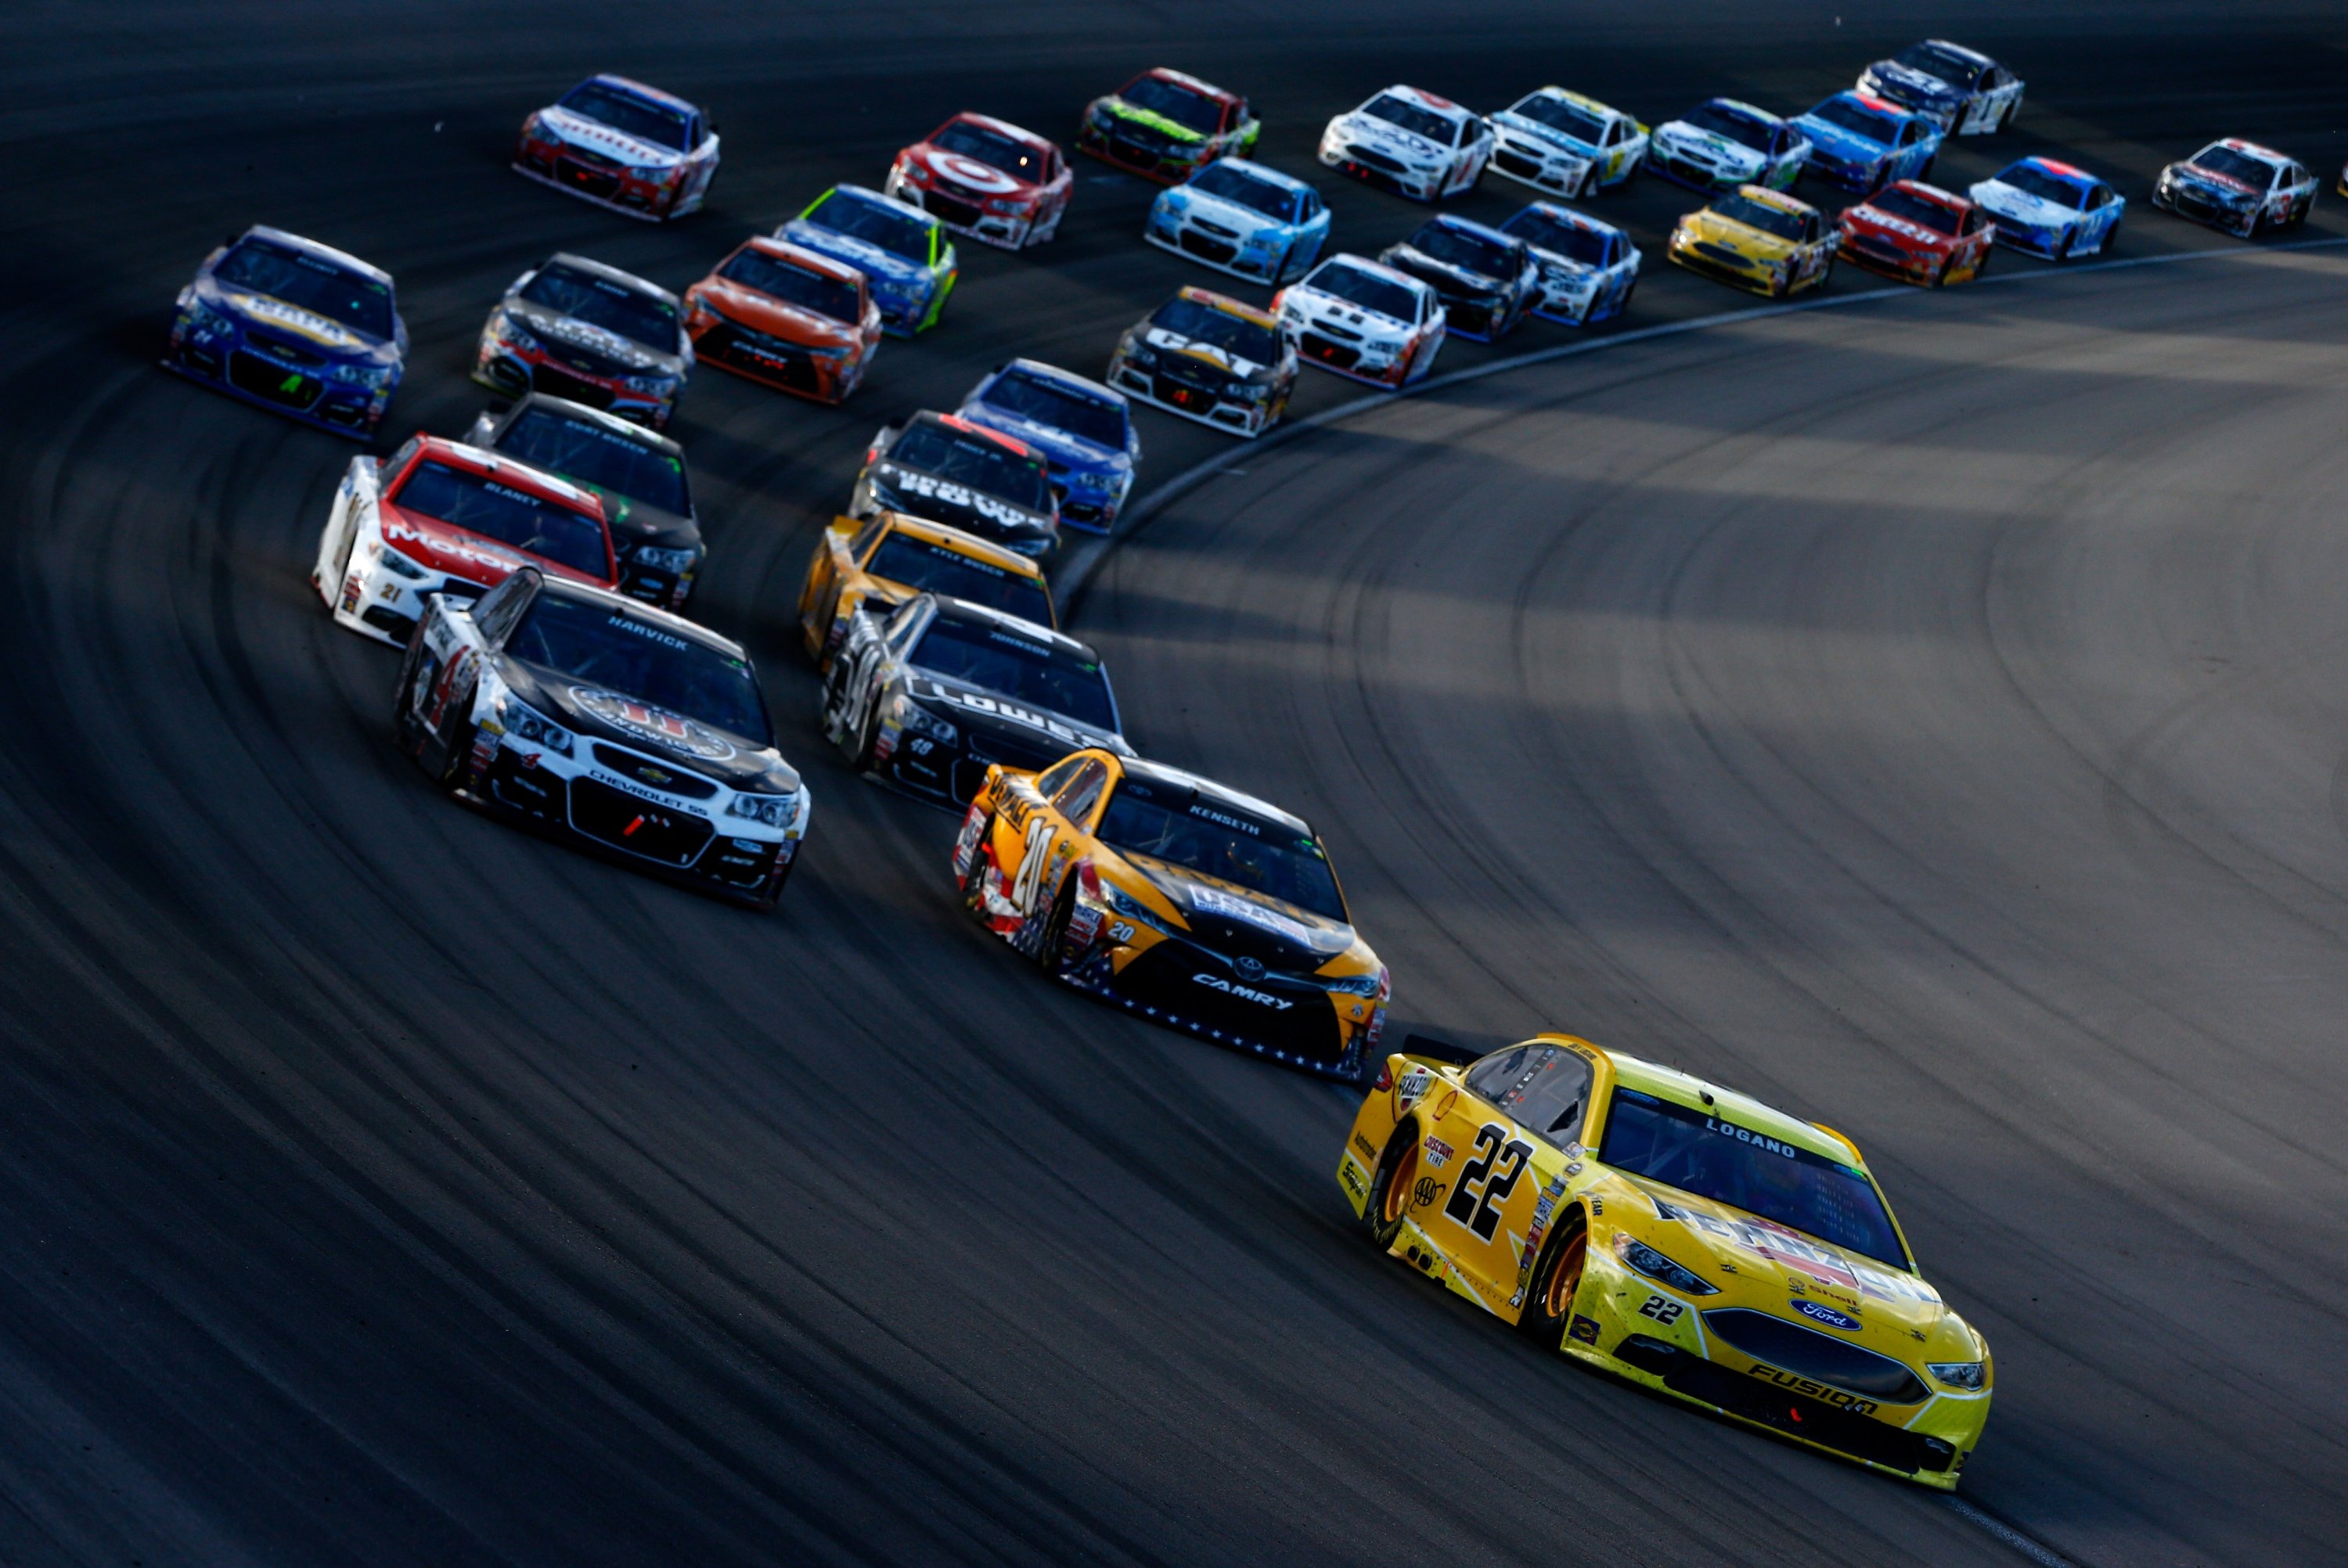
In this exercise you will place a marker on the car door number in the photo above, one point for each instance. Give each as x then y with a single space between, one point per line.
1031 863
1486 1180
1661 1311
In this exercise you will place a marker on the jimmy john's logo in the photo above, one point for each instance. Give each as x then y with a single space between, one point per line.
1245 993
1814 1389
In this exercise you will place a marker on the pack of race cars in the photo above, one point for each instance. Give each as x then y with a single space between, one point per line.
536 575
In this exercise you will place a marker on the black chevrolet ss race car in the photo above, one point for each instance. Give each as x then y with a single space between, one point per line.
944 689
606 721
950 470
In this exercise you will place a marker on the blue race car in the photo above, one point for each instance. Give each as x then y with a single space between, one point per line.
1085 431
292 325
1863 143
1588 269
1243 218
906 255
2053 209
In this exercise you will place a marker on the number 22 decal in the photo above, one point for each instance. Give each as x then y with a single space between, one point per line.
1476 1200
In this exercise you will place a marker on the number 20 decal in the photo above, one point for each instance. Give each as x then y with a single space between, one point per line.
1486 1181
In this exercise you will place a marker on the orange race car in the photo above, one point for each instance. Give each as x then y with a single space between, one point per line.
883 562
779 313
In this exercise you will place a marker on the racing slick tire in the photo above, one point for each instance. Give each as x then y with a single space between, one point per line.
1781 284
1588 185
1939 279
2061 252
1556 1280
1390 1188
974 884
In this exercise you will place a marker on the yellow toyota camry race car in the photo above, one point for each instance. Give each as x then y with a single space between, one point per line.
1178 899
892 556
1762 240
1676 1234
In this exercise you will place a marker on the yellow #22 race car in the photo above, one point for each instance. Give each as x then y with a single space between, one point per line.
1761 240
1676 1234
884 562
1176 898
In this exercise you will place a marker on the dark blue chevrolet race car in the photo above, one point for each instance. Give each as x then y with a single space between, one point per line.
907 257
292 325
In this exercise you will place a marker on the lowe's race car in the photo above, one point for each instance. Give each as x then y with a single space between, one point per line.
2053 209
1083 430
2238 186
1864 143
609 724
906 254
292 325
638 475
1166 125
1588 269
1363 320
943 468
1964 91
1179 899
589 332
1566 144
1410 143
945 690
620 144
1207 357
1243 218
1723 144
1488 280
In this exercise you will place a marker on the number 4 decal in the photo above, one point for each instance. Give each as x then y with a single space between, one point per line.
1476 1200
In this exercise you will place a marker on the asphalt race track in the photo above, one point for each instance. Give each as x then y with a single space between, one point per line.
1926 712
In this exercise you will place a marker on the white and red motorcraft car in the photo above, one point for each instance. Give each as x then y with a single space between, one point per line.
986 179
621 145
1364 319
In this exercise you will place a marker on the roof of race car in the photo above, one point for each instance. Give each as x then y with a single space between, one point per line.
1183 78
1465 225
1016 133
971 427
1709 1098
650 93
1778 199
2248 149
325 252
1866 102
2070 172
609 423
873 198
1741 106
1265 172
799 256
1082 385
1422 97
1226 304
1370 264
963 609
953 539
1933 193
1568 215
610 274
1174 777
638 609
498 466
1974 54
1579 100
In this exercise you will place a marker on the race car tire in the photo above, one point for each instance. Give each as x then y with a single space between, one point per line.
458 745
1280 273
407 728
765 902
1556 1280
1051 944
860 761
1390 1187
974 884
1781 284
1939 279
1588 185
2061 252
1924 174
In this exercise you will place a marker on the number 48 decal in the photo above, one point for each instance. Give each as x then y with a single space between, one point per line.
1476 1200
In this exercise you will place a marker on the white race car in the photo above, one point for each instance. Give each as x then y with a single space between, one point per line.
436 516
1722 144
1410 142
1363 319
1566 144
1588 269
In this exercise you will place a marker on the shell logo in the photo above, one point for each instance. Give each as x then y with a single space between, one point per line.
971 172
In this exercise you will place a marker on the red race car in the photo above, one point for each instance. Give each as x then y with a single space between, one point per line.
988 180
1917 233
782 315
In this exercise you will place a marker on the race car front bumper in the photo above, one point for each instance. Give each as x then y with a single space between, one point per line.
1723 265
514 369
966 213
1258 255
312 393
821 375
592 177
383 594
1680 169
1528 161
1372 167
1197 395
1879 255
1139 152
1340 349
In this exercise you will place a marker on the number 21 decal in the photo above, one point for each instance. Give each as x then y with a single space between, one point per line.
1486 1180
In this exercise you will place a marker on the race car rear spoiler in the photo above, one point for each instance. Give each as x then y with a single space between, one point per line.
1434 1049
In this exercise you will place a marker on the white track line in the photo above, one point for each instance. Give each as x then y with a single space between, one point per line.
1077 575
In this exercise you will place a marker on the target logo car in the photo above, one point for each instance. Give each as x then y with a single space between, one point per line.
1680 1235
620 144
986 179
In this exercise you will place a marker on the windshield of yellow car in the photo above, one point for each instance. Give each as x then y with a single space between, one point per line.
1714 1157
1196 831
1760 215
924 567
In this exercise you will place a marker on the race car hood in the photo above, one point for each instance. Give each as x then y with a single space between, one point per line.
1682 137
1525 125
554 327
594 135
1067 449
880 268
944 501
1844 146
1381 136
1744 240
635 523
1346 312
597 713
1913 86
2223 185
1230 214
2033 212
460 553
776 318
1445 276
1241 924
982 178
324 334
1763 1266
1867 217
1175 133
985 713
1230 364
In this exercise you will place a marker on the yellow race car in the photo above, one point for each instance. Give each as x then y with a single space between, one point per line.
1676 1234
1762 240
1178 899
886 561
